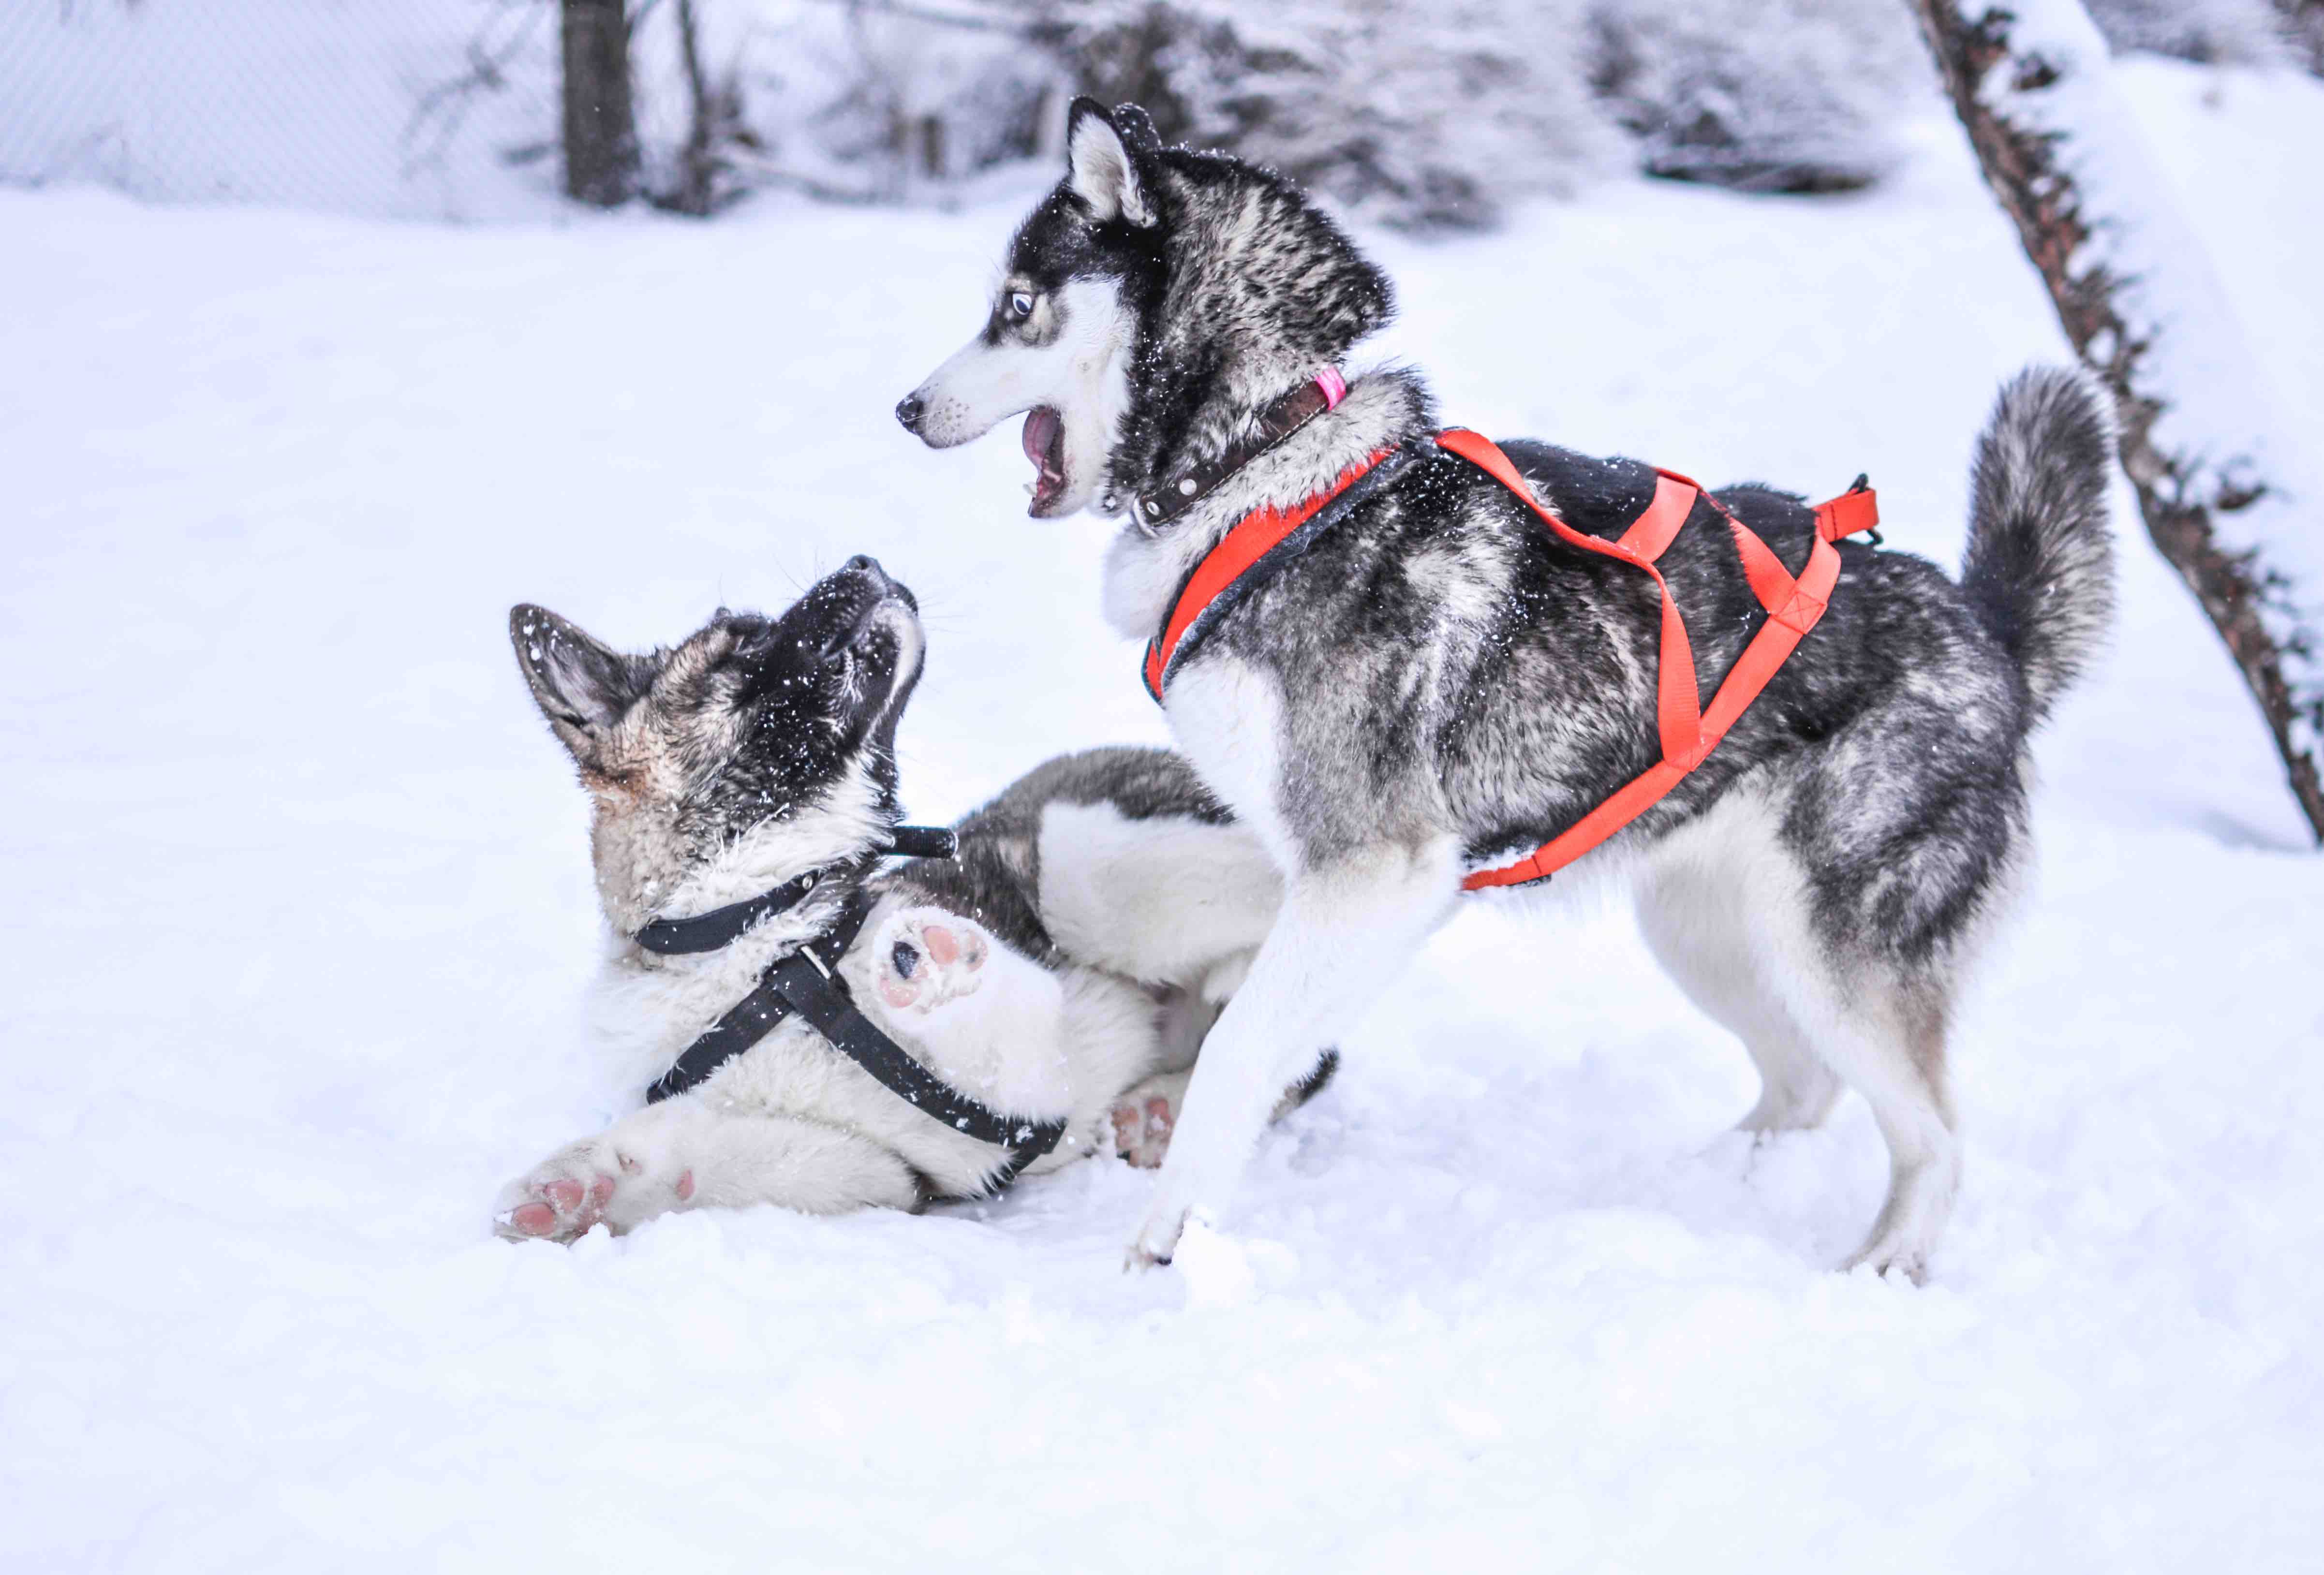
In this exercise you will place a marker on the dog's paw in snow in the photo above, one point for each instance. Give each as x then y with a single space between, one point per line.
925 957
594 1180
1144 1116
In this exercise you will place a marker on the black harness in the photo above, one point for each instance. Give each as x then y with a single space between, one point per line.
805 981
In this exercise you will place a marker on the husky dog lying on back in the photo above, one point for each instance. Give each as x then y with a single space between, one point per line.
1434 684
1062 967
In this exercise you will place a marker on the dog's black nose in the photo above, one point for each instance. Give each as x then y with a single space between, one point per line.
908 410
864 563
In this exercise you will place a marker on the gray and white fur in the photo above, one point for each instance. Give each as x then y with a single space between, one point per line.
1067 963
1436 686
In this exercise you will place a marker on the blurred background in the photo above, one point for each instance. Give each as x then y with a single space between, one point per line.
351 355
1419 113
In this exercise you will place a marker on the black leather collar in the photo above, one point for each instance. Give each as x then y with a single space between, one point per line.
1194 483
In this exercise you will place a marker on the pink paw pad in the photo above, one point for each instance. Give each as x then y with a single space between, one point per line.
942 944
927 958
574 1192
1141 1132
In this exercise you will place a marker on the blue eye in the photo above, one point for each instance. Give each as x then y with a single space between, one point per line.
1020 307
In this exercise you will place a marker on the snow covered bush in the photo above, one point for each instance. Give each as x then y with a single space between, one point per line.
1423 114
1435 114
2228 33
853 101
1419 113
2303 32
1763 94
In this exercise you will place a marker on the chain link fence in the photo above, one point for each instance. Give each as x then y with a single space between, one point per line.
418 108
449 109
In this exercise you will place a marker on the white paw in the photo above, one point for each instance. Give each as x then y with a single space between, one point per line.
587 1183
925 957
1167 1214
1893 1256
1155 1241
1143 1118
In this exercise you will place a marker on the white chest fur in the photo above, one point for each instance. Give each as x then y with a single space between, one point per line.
1228 720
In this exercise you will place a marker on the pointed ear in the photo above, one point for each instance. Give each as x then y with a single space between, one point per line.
583 686
1137 129
1102 166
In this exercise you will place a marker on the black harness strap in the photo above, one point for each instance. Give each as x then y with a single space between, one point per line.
752 1019
806 982
923 842
707 932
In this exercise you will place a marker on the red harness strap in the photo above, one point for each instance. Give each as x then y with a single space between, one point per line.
1261 532
1689 730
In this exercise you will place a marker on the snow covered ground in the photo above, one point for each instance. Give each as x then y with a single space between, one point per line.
299 915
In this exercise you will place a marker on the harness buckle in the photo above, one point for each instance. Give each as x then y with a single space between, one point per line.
1855 513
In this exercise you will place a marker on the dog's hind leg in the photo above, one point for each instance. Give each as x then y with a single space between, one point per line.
1924 1174
1891 1050
1690 924
1796 1089
1727 908
1865 1022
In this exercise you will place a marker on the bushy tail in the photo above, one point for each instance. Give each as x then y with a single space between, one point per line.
2040 567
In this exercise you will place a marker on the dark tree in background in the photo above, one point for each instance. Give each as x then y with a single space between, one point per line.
600 129
715 125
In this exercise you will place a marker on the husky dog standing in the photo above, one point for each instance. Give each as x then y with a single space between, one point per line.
1062 967
1435 685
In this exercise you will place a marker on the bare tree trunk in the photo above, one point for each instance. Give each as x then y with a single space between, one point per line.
2217 485
698 162
600 130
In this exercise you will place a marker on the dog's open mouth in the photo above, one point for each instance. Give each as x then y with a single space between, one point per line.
1045 446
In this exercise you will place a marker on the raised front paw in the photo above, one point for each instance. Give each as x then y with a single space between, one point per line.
590 1183
925 957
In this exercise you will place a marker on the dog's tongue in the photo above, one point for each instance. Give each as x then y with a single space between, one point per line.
1045 446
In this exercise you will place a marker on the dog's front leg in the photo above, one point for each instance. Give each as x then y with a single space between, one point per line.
694 1151
1346 929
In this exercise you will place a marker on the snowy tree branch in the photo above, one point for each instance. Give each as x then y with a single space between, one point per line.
2218 485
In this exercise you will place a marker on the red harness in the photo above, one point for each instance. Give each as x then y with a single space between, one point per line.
1689 729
